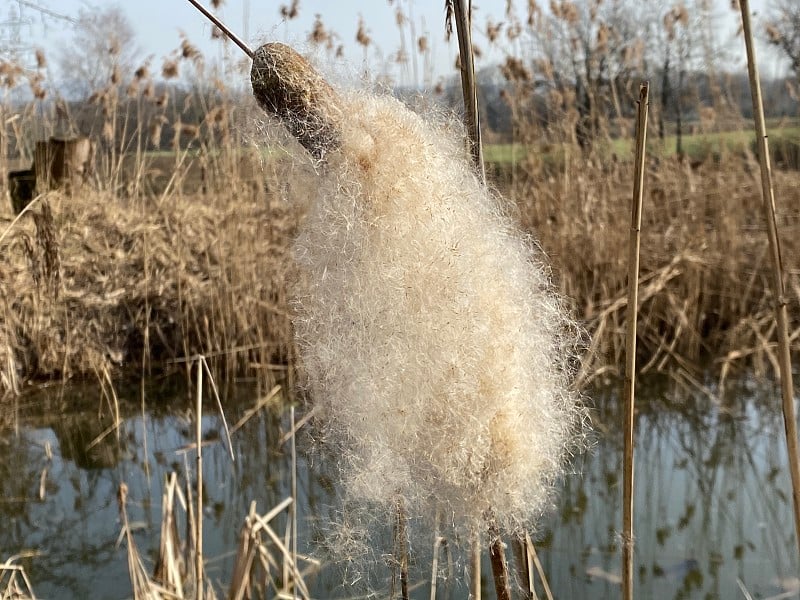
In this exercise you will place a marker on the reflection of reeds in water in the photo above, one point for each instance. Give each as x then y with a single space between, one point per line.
712 507
265 562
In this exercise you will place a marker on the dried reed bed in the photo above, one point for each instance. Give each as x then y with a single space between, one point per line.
138 282
93 283
704 278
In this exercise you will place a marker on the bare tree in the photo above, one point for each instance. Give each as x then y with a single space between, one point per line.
103 51
783 31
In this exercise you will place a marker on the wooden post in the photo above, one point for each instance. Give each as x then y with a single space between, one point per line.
62 164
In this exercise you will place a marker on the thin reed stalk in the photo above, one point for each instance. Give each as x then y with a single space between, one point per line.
778 290
630 345
293 507
199 521
533 561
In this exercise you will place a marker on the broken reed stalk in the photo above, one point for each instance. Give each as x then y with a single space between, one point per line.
630 343
198 565
779 293
462 10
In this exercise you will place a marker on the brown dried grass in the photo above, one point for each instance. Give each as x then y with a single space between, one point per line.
110 284
704 279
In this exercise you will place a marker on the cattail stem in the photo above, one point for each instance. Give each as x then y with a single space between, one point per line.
779 293
294 501
524 574
462 9
630 344
497 556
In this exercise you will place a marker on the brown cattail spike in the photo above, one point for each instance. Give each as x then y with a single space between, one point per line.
286 85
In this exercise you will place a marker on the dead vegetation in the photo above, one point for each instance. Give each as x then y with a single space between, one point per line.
97 281
94 283
166 254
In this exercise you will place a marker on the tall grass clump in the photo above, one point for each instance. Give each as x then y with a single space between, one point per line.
435 350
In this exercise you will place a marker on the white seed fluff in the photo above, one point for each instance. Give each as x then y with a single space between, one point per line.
435 350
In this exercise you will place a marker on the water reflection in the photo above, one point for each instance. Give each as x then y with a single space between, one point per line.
713 501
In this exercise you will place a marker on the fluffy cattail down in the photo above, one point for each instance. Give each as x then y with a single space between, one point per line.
436 352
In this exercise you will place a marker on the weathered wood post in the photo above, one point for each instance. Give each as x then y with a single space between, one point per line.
57 164
62 163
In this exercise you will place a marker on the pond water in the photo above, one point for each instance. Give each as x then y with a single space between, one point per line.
713 502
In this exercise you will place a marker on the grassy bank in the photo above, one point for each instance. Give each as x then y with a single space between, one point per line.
697 148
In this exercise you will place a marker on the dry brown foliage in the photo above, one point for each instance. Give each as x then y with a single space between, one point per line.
705 291
106 283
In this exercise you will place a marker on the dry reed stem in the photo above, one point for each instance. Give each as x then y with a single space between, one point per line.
630 346
198 557
143 587
778 289
235 39
10 587
534 558
169 564
289 564
269 398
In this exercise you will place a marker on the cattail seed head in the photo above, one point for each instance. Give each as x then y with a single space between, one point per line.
287 86
169 70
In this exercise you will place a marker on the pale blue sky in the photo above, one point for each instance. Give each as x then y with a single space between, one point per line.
158 22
